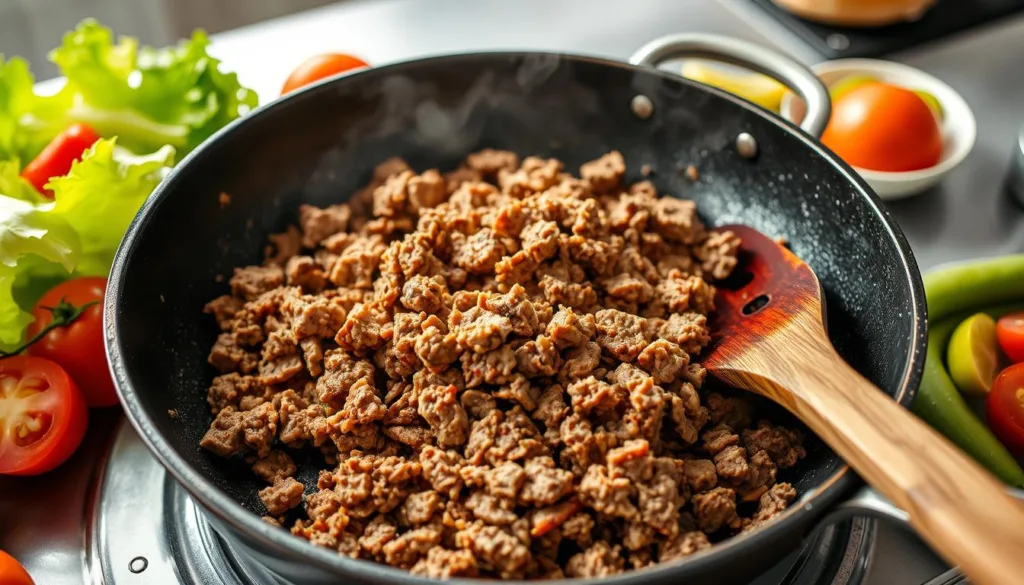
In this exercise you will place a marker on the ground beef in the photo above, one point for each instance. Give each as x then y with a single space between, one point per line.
501 368
285 494
276 465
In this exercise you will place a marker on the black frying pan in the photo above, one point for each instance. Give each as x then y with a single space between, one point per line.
319 145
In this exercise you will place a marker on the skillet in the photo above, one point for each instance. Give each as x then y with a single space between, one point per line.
320 144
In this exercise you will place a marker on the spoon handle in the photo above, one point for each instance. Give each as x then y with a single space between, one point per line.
957 506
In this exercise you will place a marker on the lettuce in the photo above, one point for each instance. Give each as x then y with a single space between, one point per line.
150 102
76 233
147 97
27 121
32 238
100 196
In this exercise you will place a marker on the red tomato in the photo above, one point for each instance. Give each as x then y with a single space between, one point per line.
78 348
882 127
11 571
319 67
56 159
1010 333
42 415
1005 408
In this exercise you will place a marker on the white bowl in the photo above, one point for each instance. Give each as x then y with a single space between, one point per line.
959 129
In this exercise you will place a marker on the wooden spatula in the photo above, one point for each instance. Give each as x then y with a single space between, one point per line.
768 337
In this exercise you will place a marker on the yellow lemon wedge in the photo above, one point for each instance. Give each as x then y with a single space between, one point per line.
848 84
754 87
973 355
932 101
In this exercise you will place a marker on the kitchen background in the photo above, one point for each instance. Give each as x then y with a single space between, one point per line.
966 216
30 27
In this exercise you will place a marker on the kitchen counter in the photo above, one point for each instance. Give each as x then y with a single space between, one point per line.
966 217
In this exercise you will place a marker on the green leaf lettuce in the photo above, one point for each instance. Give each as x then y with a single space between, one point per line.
148 98
100 196
76 233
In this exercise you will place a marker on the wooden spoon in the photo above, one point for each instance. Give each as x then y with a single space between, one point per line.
777 346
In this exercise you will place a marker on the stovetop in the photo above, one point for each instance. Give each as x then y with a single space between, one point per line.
134 525
945 18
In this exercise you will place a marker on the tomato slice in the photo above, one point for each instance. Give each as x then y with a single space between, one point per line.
1005 408
42 415
11 571
1010 333
56 159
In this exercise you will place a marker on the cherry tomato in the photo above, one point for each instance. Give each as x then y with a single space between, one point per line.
11 571
319 67
78 347
1005 408
42 415
56 159
882 127
1010 333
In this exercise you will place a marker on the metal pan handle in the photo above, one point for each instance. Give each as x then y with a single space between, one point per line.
757 58
868 502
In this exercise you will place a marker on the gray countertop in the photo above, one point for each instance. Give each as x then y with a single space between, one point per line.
965 217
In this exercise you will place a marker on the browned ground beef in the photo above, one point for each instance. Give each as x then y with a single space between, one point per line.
500 367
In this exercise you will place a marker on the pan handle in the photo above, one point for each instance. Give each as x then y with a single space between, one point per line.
757 58
867 501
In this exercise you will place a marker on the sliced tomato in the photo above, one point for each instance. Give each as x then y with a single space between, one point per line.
56 159
11 571
77 347
1005 408
42 415
1010 333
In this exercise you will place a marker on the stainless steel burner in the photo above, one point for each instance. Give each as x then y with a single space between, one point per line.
143 529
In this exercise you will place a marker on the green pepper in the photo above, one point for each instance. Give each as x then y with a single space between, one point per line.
954 293
980 284
940 404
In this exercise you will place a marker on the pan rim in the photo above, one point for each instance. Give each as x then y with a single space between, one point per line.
275 542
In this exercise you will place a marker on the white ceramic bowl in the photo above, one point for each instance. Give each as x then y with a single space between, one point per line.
958 126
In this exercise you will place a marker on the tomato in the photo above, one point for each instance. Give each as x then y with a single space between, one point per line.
78 347
319 67
1010 333
11 571
42 415
882 127
1005 408
56 159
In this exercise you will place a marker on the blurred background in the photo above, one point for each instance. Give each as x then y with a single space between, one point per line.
31 28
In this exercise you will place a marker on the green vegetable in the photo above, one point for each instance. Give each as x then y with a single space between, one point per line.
848 84
973 355
30 237
78 231
27 121
974 285
147 97
159 101
100 196
940 404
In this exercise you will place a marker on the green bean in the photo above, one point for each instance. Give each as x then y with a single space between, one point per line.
974 285
940 404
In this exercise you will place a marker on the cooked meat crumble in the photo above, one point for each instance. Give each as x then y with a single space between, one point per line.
502 366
